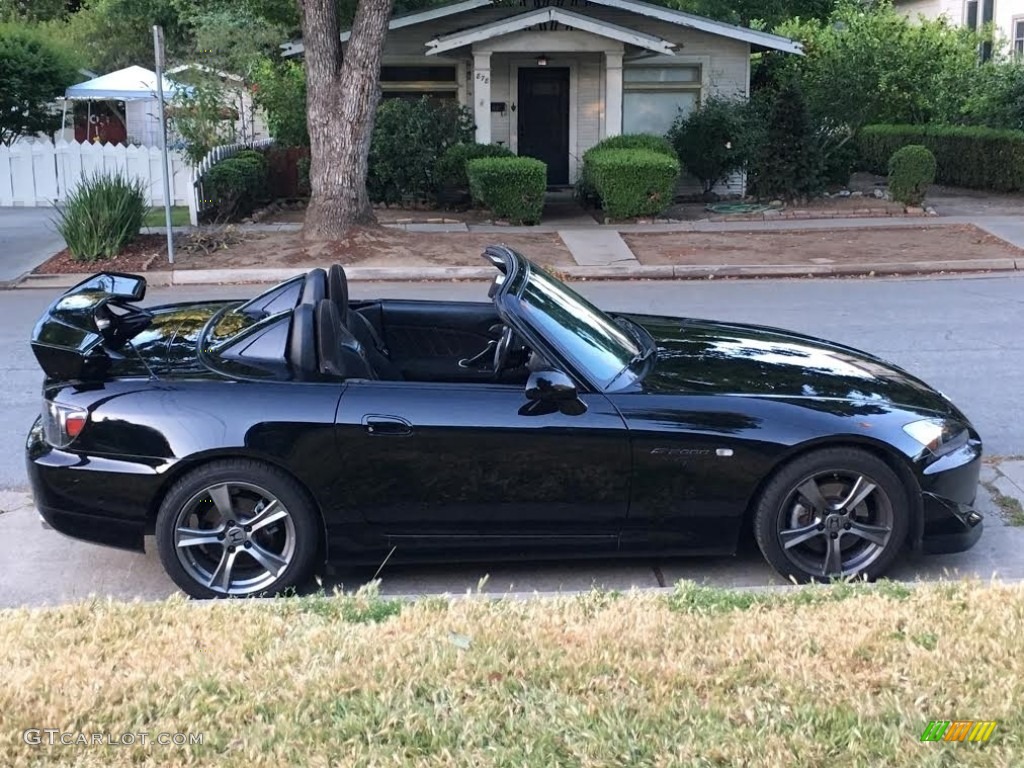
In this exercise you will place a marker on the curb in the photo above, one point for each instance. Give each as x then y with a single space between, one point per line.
164 278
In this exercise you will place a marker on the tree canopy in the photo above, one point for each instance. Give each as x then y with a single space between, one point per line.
33 72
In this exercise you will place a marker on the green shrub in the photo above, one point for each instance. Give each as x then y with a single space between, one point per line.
711 142
632 182
409 137
788 162
911 170
450 172
511 187
584 186
634 141
236 185
965 156
102 215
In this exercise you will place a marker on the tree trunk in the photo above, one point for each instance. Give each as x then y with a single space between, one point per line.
341 105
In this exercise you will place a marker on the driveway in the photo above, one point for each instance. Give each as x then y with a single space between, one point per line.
27 239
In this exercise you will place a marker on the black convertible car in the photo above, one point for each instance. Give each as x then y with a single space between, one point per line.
260 439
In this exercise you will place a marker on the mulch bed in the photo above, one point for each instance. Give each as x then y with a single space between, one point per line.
144 253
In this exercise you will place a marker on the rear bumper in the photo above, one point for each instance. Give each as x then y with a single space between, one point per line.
108 531
949 488
93 498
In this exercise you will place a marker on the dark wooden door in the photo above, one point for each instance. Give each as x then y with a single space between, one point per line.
543 119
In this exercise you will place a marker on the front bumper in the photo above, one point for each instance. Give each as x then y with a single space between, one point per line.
949 487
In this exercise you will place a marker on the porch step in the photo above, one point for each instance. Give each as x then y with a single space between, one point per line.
597 247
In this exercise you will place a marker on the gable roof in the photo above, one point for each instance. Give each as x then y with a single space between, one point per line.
541 15
757 40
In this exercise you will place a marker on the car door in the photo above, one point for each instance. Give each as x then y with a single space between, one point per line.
429 463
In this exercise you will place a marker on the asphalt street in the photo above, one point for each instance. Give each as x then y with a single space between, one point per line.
960 334
27 238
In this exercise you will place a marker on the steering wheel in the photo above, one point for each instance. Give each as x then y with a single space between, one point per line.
502 348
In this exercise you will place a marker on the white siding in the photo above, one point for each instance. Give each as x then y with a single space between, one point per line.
1004 12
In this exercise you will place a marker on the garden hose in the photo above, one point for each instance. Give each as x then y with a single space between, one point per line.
732 208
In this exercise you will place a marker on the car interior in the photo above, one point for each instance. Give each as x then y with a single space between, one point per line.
391 340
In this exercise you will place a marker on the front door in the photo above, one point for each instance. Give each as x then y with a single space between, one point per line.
429 464
543 119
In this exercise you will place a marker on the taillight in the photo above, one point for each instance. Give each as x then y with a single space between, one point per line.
62 423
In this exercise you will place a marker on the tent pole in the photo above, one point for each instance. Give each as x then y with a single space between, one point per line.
88 121
64 120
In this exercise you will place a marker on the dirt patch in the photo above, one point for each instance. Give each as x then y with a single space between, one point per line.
831 207
393 215
861 246
363 247
139 256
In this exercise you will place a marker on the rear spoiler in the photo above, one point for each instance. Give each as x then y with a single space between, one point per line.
80 332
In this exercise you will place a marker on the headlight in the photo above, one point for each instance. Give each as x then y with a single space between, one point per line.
940 436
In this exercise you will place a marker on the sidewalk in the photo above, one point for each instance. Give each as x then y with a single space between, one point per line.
599 251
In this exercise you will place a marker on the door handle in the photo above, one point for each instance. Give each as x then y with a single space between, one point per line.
387 425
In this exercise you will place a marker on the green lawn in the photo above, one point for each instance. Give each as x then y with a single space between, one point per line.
698 678
155 217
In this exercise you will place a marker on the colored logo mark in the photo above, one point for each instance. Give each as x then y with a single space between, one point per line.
958 730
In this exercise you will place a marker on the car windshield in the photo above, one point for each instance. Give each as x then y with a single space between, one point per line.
591 340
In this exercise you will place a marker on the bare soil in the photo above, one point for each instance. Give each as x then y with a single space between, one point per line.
363 247
394 215
832 207
861 246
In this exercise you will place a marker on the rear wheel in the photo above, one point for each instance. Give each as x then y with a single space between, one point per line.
834 513
237 528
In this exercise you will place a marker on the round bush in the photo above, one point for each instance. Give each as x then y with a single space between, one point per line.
911 170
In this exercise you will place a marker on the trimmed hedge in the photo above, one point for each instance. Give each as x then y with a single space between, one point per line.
511 187
634 141
451 168
911 170
585 187
965 156
632 182
237 184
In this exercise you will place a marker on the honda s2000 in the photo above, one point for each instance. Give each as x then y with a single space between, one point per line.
261 439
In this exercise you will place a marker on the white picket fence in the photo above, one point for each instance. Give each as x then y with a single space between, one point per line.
40 173
214 156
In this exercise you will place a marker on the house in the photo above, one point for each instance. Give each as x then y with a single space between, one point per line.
250 123
1007 16
551 78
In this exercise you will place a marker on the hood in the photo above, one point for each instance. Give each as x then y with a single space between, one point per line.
708 357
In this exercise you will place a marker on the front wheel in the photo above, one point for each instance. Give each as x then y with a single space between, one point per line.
834 513
237 528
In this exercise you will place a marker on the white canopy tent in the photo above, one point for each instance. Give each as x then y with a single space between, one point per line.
136 87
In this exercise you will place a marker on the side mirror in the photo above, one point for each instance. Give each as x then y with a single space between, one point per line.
551 386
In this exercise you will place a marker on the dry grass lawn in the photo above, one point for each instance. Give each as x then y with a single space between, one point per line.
844 675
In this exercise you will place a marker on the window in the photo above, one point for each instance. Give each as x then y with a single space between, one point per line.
653 97
416 81
1018 37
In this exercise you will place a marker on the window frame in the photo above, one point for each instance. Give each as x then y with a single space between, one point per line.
425 87
1017 36
696 85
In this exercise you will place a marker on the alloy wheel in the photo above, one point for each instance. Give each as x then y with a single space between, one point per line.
234 538
835 523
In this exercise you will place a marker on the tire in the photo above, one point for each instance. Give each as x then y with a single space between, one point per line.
237 528
805 535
